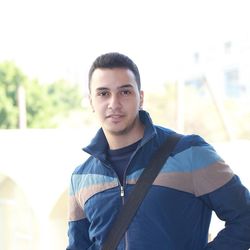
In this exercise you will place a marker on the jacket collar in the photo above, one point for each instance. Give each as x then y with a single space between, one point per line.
99 145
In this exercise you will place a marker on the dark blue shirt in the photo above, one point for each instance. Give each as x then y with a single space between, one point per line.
119 159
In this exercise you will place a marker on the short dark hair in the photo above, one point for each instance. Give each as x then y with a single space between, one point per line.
115 60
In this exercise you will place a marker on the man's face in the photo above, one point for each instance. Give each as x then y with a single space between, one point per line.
115 98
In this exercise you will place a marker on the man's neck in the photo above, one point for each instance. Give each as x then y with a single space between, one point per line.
121 141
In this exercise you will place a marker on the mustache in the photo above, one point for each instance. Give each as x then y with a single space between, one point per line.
114 114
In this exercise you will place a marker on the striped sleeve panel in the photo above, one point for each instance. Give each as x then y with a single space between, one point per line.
82 188
197 170
210 172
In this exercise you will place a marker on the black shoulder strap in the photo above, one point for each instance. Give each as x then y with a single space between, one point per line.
137 195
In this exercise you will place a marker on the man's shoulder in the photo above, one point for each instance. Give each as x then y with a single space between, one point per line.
192 140
84 167
186 141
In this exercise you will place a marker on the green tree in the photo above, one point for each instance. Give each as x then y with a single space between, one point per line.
46 104
200 115
10 79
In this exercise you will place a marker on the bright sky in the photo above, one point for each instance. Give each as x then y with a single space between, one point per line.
51 39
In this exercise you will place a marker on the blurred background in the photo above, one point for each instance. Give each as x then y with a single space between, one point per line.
194 60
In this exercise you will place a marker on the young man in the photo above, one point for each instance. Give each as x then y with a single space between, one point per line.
176 213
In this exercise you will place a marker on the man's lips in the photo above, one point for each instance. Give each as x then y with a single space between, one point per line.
114 116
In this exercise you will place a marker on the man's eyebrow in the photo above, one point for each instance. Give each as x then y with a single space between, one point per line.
125 86
101 88
120 87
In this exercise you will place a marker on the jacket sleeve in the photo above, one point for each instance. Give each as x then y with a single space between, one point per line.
78 225
78 235
231 203
222 191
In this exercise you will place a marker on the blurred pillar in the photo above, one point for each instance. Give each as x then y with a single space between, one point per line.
180 117
21 100
220 111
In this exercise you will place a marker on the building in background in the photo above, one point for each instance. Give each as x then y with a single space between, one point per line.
225 67
35 171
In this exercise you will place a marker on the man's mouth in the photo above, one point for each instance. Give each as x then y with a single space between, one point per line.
115 117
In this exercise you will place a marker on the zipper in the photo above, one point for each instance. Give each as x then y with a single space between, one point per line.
122 185
122 191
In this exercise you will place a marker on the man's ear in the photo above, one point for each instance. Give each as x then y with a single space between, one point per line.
141 99
91 103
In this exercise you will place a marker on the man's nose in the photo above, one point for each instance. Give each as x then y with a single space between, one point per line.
114 102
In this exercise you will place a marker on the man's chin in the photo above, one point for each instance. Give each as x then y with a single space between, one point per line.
120 129
118 132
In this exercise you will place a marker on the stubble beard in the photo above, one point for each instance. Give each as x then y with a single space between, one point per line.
124 131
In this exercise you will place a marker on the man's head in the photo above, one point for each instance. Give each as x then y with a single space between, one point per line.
115 96
115 60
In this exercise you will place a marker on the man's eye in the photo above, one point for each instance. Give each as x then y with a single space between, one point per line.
126 92
103 93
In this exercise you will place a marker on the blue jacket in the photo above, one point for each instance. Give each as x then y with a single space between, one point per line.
176 212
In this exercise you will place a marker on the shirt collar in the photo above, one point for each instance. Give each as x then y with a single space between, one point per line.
99 145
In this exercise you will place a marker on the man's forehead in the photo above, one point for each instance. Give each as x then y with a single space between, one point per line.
115 87
113 78
112 71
